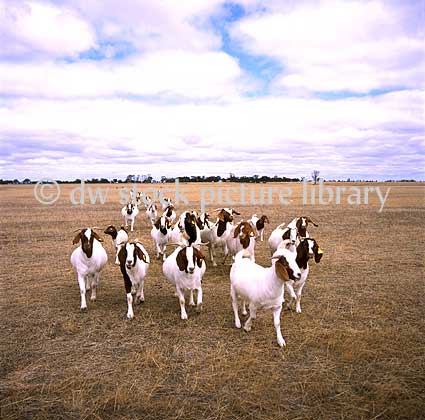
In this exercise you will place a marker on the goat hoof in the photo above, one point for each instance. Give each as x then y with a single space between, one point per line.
281 342
238 324
83 309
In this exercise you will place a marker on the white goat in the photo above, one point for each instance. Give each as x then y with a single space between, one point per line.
261 287
160 232
88 260
119 238
134 263
152 212
129 212
184 268
165 201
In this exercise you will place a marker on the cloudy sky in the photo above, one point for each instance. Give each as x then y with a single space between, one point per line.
106 88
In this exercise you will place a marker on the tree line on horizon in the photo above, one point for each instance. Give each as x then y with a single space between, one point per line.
198 178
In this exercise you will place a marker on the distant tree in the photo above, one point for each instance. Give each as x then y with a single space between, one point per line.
130 178
315 176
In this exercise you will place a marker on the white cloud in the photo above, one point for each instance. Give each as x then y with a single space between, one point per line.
282 135
31 27
337 45
154 25
169 73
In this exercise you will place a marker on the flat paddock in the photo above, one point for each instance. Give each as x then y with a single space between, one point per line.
356 352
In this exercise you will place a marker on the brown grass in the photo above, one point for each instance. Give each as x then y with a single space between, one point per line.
356 352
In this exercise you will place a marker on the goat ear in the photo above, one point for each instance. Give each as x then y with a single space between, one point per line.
140 254
122 255
157 223
237 231
280 268
182 260
77 238
97 236
286 235
309 220
318 252
266 219
199 257
235 212
220 215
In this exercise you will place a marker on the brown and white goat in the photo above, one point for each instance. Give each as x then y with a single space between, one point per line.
134 264
243 237
222 230
184 268
119 238
88 260
258 225
306 249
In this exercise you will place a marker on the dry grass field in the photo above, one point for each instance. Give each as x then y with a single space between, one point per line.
357 351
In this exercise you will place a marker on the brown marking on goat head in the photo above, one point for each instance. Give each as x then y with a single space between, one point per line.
182 260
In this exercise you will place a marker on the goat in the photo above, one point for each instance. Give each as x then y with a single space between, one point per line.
88 260
262 287
134 262
221 230
258 225
165 201
307 248
129 212
152 212
294 230
186 232
301 224
184 268
281 233
143 199
119 238
169 213
242 238
205 227
160 233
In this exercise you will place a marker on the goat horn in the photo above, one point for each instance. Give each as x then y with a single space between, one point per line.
75 230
